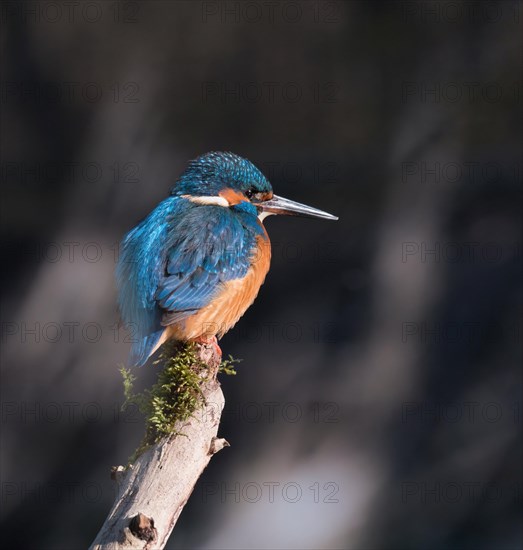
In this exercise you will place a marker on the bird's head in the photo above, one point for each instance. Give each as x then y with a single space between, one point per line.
230 181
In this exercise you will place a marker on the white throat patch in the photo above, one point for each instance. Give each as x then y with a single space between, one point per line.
263 215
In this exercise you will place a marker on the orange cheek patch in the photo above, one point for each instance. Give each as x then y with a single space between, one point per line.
232 197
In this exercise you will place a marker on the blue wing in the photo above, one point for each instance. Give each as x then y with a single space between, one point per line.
174 262
208 246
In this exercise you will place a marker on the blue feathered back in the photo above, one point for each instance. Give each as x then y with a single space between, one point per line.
138 273
174 262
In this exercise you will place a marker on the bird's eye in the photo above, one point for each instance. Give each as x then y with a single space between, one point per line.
250 192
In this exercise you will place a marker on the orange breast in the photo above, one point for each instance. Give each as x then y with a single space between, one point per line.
230 304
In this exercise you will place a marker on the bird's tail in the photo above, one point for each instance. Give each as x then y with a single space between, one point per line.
144 347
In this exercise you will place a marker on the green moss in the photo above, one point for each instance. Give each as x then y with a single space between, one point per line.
175 396
227 366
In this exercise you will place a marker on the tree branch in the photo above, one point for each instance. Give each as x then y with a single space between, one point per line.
153 491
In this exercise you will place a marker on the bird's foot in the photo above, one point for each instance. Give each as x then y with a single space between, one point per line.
210 341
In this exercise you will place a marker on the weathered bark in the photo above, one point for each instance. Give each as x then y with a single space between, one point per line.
153 491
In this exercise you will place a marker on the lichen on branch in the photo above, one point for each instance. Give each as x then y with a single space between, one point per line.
154 487
175 396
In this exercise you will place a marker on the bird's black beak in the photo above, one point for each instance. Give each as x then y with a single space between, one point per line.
279 205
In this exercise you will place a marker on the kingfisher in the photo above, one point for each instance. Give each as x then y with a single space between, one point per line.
193 266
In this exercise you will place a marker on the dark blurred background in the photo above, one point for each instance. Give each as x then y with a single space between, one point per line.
378 403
